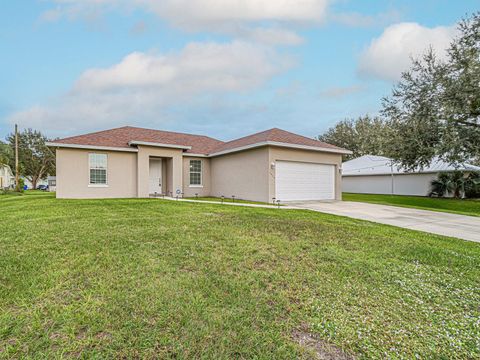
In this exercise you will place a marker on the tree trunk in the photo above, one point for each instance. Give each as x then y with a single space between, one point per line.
34 183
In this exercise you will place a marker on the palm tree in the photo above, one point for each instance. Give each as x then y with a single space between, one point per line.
472 187
454 183
441 186
459 182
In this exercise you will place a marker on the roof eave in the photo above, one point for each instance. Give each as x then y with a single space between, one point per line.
90 147
281 144
154 144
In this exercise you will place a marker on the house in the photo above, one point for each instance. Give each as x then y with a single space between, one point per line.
371 174
52 183
7 180
131 162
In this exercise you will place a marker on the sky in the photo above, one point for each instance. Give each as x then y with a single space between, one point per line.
223 68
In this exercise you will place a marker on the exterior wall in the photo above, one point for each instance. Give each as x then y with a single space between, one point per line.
403 184
286 154
73 175
247 174
191 190
174 168
6 177
243 174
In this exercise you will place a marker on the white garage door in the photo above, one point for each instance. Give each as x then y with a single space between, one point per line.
304 181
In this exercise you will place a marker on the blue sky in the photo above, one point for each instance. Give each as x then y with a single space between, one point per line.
75 66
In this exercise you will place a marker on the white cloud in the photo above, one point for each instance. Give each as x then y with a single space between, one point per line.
143 86
205 13
390 54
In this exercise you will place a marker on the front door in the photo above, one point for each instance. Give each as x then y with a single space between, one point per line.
155 177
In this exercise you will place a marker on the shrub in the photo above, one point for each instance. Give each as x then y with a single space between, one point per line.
472 189
457 183
20 185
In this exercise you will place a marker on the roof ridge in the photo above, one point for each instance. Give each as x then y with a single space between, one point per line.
172 132
92 133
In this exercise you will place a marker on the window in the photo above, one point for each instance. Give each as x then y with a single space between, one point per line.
196 172
98 169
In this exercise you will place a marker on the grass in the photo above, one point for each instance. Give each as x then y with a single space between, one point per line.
149 278
10 193
464 207
228 200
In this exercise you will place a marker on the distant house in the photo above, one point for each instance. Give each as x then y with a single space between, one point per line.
7 180
371 174
52 183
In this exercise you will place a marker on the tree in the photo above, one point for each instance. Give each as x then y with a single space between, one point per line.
363 136
457 183
36 160
5 153
435 109
472 188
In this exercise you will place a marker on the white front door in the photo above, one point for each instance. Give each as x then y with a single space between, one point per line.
304 181
155 176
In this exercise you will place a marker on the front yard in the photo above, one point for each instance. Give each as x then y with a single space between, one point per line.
456 206
163 279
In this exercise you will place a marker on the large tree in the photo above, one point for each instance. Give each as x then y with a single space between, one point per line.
35 159
363 136
435 109
5 152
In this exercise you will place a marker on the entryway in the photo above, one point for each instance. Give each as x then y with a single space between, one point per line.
155 176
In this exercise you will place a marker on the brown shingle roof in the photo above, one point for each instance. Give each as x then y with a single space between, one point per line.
274 135
120 137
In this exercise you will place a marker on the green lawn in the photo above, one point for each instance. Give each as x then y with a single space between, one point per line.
229 200
150 278
464 207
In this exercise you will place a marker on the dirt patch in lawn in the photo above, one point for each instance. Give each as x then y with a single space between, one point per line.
322 349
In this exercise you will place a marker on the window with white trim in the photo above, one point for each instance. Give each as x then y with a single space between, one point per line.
98 168
196 172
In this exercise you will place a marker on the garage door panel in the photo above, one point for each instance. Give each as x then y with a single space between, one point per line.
304 181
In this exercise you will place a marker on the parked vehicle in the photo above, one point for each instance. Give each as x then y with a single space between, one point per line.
42 187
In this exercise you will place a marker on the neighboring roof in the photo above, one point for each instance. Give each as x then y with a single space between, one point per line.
125 137
380 165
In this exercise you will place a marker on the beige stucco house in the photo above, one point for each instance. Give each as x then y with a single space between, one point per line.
132 162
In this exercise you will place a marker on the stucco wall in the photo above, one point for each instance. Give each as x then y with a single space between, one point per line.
73 175
243 174
191 190
406 184
286 154
174 166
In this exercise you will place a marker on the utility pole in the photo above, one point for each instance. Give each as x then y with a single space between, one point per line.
16 158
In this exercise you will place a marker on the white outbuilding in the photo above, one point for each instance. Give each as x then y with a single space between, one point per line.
370 174
7 180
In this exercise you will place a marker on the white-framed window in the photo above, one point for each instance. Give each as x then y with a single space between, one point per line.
196 172
98 168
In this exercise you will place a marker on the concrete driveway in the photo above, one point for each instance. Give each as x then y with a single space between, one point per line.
441 223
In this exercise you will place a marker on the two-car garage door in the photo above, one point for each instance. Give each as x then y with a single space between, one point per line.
304 181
